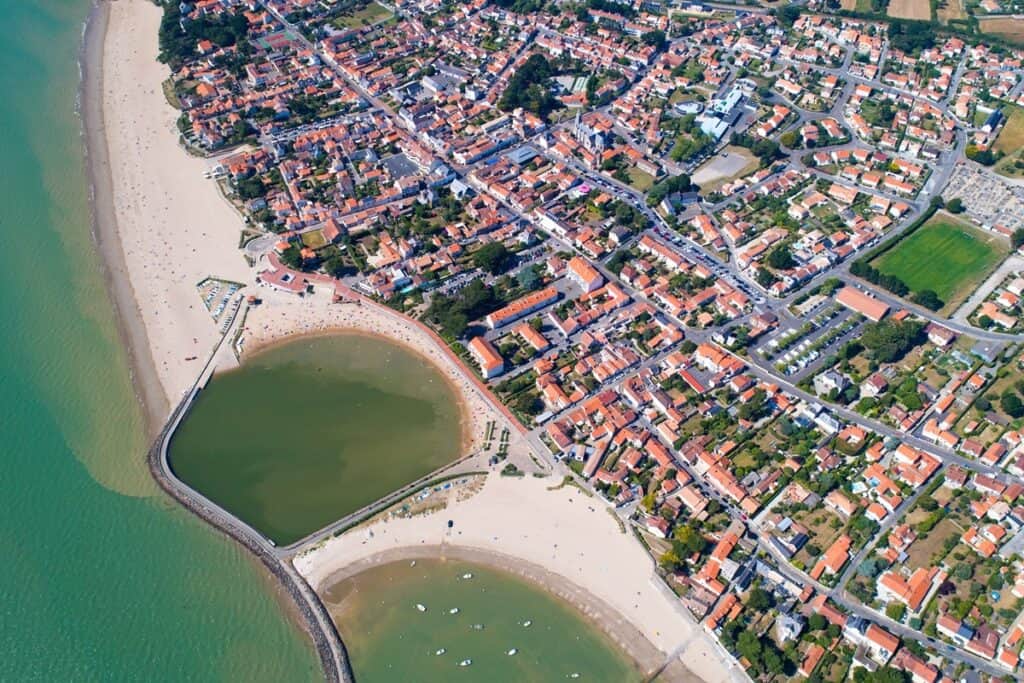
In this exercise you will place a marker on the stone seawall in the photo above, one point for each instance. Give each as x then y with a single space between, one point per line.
316 620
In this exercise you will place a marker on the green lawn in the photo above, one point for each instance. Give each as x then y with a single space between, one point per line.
371 13
641 180
946 255
314 239
1010 142
1011 137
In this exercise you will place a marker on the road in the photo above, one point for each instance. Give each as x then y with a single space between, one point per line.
729 271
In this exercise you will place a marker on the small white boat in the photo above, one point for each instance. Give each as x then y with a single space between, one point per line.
477 627
527 624
421 607
467 575
453 610
512 652
440 652
574 675
465 662
413 563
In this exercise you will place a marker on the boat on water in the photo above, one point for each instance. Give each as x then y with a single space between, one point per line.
421 607
477 627
440 652
453 610
413 563
467 575
512 652
574 674
465 662
527 624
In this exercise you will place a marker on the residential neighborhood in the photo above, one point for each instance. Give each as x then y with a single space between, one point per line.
753 277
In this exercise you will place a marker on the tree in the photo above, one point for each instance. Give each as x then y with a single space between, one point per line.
655 39
689 538
985 157
1012 405
955 205
885 674
493 258
1018 238
816 622
759 599
787 15
781 258
668 186
528 279
929 299
335 266
889 340
895 611
528 88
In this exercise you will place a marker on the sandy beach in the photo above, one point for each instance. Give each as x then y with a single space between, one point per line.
162 227
558 537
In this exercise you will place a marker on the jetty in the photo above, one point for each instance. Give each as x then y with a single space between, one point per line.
314 615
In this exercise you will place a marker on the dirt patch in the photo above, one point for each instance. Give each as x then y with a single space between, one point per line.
951 10
910 9
1008 28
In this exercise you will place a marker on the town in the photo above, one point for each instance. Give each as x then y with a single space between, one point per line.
755 277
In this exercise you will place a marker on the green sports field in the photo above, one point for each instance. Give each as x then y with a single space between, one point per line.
946 255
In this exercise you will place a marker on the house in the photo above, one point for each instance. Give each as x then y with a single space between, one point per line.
874 386
522 307
487 357
911 592
881 644
585 275
829 381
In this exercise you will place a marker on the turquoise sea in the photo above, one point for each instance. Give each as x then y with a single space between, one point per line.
102 578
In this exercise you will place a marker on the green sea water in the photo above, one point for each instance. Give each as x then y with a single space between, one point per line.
311 430
389 639
102 579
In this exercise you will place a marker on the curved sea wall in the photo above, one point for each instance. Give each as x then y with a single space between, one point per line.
315 618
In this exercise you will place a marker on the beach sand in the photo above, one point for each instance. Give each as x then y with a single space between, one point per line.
173 225
173 229
559 537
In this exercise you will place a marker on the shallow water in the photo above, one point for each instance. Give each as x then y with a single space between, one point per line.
103 579
313 429
390 639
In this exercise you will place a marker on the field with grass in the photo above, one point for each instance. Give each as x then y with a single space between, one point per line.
946 255
640 180
368 14
1011 137
314 239
910 9
1007 28
951 9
